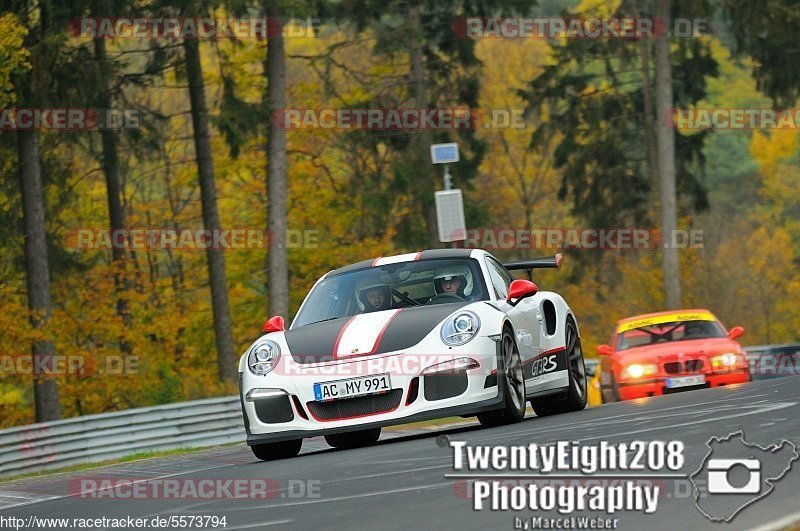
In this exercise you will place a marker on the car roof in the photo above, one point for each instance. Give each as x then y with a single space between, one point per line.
406 257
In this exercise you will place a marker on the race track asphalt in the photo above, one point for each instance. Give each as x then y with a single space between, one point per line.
400 482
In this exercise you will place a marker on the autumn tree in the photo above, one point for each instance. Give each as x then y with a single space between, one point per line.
37 266
208 198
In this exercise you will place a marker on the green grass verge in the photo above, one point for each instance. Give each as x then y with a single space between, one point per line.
137 456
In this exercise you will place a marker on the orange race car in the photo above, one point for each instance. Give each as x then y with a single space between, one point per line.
668 352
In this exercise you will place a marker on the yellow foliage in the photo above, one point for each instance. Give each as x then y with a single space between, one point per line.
13 55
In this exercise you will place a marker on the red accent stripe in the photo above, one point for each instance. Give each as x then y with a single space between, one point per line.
299 407
339 337
380 334
414 383
417 256
375 261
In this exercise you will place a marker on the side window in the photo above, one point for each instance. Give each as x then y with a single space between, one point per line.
500 278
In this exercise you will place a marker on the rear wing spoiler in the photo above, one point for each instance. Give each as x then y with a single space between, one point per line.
537 263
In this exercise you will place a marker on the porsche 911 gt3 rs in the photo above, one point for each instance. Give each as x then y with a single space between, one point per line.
411 337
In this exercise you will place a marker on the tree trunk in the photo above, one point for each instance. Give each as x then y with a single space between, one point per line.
422 139
45 389
116 210
666 163
278 277
208 196
651 148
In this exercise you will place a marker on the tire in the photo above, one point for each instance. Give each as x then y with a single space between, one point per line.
513 386
354 439
576 372
277 450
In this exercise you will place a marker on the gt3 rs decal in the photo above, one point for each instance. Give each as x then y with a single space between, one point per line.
331 340
544 363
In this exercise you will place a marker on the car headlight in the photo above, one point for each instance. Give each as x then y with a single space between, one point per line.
724 361
637 370
460 329
263 357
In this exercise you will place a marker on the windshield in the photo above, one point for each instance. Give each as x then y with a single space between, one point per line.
671 331
392 286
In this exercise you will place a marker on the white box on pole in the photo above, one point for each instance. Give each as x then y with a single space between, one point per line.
450 216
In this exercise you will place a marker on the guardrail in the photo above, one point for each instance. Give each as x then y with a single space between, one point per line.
95 438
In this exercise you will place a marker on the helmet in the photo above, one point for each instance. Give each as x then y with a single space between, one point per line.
696 328
449 273
366 286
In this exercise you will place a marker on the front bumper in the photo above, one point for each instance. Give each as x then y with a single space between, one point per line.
301 416
643 388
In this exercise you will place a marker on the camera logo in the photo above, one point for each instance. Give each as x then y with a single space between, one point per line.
735 474
718 482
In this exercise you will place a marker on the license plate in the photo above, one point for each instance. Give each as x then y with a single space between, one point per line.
686 381
351 387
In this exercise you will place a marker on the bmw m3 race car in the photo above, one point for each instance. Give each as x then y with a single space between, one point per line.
668 352
406 338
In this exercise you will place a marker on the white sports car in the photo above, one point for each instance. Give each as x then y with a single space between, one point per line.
411 337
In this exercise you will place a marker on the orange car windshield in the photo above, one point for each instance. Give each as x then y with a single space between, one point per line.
666 332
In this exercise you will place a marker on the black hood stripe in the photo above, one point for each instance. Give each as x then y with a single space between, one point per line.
317 343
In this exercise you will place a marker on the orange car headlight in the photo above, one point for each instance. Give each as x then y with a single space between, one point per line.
638 370
724 361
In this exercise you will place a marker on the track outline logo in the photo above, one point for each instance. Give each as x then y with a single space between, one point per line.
716 470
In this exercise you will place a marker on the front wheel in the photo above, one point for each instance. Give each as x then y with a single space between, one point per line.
277 450
576 372
354 439
514 382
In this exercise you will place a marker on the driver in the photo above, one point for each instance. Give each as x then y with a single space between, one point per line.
697 329
375 298
452 284
454 281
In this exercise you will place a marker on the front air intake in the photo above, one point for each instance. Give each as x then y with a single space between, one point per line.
360 406
444 385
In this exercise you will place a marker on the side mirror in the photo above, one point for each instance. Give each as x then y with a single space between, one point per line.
736 331
275 324
605 350
519 289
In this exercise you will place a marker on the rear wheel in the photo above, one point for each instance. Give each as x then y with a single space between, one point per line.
277 450
354 439
514 382
576 372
